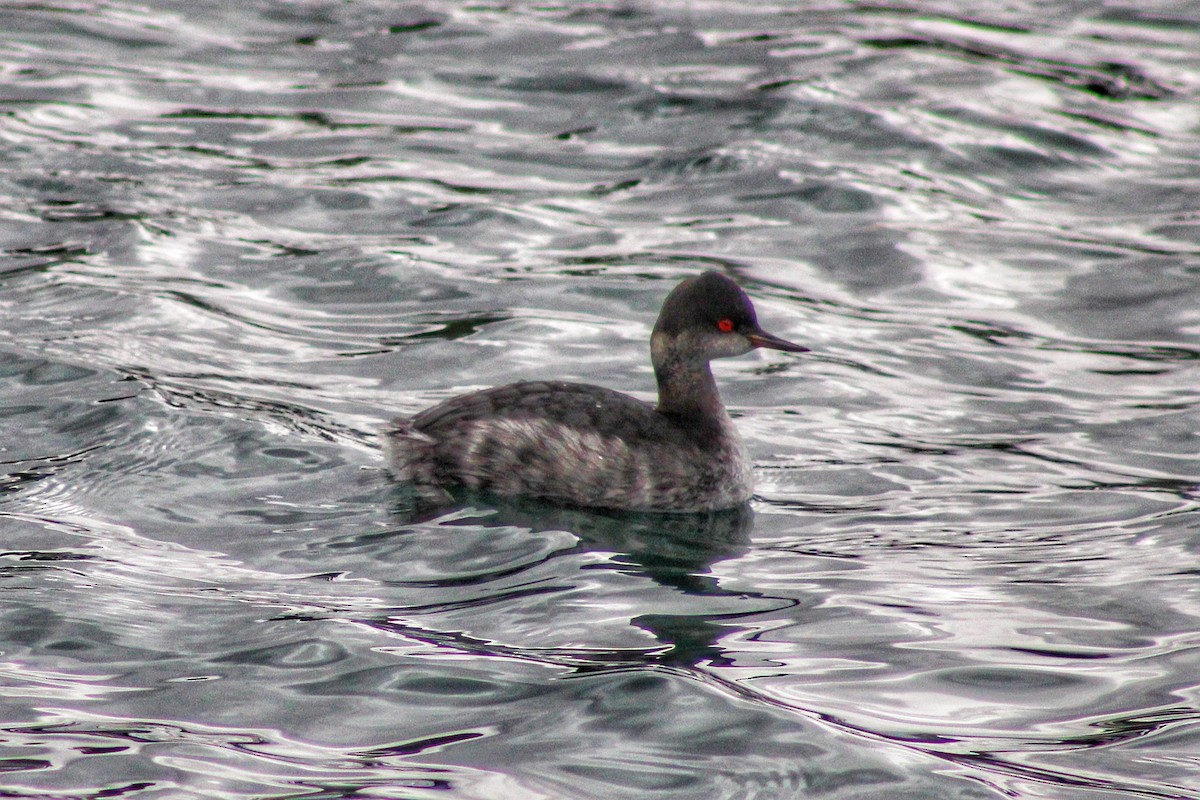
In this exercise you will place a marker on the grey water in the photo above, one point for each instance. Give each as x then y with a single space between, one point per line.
236 239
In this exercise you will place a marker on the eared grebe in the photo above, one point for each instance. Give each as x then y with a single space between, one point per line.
584 445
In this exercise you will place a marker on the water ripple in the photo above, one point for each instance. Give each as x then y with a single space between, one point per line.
236 239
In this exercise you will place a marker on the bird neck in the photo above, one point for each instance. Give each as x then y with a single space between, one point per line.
685 384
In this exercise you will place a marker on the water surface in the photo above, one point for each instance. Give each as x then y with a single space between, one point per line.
237 239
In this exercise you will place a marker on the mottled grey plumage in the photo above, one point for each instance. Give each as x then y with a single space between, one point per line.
589 446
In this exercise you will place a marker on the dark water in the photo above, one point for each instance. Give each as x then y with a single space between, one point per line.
238 237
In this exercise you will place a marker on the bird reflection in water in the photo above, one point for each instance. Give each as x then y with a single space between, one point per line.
675 551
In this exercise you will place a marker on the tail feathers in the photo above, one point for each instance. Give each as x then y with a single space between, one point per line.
409 452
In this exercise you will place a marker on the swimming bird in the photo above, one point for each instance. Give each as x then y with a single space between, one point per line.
582 445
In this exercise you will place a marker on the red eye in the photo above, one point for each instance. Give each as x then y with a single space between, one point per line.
725 325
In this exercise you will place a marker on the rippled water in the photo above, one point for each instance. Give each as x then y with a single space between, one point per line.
236 239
